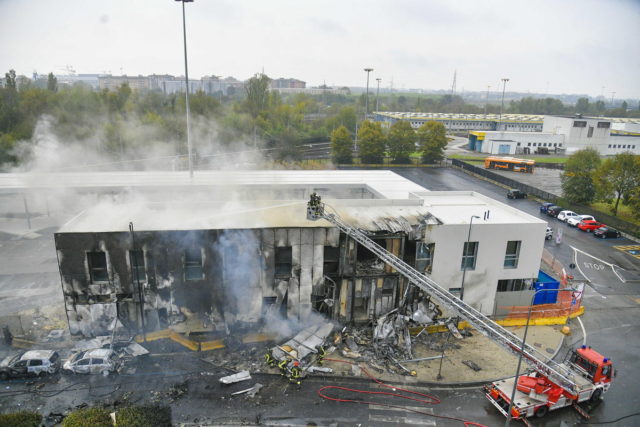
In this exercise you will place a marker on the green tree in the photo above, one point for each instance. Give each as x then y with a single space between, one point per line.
10 80
257 89
341 146
617 178
371 142
577 178
52 83
432 139
582 106
401 141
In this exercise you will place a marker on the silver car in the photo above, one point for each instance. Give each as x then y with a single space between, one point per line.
32 362
574 221
97 361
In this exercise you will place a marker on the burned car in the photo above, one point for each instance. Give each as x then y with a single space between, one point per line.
30 363
96 361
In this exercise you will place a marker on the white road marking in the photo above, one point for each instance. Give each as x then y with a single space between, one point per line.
584 332
597 259
409 418
401 420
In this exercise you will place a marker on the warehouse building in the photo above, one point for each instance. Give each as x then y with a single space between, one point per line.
466 122
230 262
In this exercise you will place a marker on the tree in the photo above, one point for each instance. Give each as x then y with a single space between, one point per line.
432 139
401 141
577 178
341 145
371 142
617 179
582 106
52 83
257 89
10 79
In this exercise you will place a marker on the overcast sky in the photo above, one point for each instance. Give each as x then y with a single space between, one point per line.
572 46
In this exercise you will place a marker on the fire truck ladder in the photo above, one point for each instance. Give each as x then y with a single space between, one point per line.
542 364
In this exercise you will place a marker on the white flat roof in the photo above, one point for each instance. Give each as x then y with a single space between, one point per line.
385 184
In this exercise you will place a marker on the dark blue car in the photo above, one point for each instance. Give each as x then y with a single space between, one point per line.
545 206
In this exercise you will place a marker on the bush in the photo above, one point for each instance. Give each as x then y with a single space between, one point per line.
88 417
20 419
144 416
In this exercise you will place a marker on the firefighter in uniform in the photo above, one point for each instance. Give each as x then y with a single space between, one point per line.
295 373
269 359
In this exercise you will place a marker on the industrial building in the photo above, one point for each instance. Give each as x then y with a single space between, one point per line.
249 252
467 122
566 134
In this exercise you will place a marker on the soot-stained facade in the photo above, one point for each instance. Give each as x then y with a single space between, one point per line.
224 280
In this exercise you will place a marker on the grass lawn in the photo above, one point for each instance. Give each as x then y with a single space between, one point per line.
624 212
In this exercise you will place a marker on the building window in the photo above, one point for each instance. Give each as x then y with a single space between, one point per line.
609 146
193 264
512 254
590 133
424 256
579 124
518 144
137 265
283 262
469 254
98 266
331 260
528 144
513 285
604 125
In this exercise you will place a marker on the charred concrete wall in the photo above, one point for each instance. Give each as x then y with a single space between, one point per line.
229 278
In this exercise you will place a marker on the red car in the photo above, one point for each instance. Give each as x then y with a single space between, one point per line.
589 225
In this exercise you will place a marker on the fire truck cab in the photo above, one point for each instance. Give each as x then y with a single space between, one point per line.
536 394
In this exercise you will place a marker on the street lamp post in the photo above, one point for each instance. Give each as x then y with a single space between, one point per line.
464 267
366 109
524 339
378 93
486 102
504 85
186 78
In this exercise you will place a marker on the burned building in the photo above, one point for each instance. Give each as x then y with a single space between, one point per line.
222 265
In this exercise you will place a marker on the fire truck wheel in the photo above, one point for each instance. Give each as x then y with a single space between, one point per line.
542 411
596 395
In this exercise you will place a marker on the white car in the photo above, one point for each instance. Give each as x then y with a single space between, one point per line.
575 220
549 234
565 215
32 362
97 361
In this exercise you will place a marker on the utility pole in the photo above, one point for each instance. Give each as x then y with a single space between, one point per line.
453 85
366 109
378 93
186 79
613 94
504 85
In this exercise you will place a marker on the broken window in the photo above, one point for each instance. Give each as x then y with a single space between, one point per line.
193 264
469 254
98 266
512 254
424 256
331 260
283 262
511 285
137 265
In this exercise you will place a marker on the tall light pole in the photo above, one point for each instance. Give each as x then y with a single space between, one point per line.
366 109
504 85
378 92
186 79
613 94
464 267
524 339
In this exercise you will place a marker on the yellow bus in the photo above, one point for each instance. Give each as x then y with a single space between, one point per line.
509 163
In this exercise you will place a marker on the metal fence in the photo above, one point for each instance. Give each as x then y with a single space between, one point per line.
615 222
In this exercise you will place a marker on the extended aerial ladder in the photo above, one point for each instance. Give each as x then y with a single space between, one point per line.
558 373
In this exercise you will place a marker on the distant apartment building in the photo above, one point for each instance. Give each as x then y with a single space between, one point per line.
114 82
287 84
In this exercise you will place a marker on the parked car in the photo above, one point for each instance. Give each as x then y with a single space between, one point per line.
575 220
97 361
516 194
553 211
565 215
589 225
606 232
545 206
32 362
549 234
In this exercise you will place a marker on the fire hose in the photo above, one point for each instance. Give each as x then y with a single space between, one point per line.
423 398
